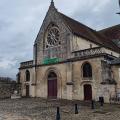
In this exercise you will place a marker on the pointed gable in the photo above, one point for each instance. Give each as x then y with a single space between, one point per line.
49 15
79 29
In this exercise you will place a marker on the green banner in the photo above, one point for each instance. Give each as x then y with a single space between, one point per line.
47 61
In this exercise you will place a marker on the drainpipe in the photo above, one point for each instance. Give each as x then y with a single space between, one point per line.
35 57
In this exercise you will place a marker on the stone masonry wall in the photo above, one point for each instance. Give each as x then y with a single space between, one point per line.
6 90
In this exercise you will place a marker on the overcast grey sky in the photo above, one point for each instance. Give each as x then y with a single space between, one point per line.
20 21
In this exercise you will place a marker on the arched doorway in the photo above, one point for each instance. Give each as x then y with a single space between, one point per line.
87 92
52 85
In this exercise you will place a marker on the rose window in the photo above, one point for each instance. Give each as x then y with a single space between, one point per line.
53 37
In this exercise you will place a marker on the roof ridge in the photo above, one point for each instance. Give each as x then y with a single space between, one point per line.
88 33
107 28
77 21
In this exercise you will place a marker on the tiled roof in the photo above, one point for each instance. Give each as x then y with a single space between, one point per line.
112 33
84 31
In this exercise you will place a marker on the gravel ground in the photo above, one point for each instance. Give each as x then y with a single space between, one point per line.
40 109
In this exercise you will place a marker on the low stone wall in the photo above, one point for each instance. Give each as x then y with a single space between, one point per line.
6 89
107 91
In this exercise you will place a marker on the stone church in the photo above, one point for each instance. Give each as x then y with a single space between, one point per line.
72 61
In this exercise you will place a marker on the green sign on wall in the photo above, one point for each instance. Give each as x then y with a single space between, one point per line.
47 61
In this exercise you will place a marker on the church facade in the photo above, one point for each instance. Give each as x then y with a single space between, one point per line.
72 61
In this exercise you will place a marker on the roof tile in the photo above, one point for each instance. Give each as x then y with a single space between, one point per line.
84 31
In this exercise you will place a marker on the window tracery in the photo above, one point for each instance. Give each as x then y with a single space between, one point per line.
53 45
87 70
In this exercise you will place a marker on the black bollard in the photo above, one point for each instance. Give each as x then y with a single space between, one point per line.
101 101
76 109
92 104
58 114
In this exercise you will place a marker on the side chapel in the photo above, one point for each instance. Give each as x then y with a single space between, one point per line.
72 61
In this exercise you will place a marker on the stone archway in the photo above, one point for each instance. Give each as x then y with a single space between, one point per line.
87 92
52 85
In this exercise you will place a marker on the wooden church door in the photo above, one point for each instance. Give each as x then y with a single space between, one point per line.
27 91
87 92
52 85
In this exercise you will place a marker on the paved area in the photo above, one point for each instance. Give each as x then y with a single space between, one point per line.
39 109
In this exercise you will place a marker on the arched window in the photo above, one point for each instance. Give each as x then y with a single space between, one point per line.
87 70
52 75
27 75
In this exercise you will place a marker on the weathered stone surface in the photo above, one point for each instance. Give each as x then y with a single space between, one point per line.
40 109
70 68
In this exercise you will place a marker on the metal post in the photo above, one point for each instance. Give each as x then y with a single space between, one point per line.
76 109
92 104
102 101
58 114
